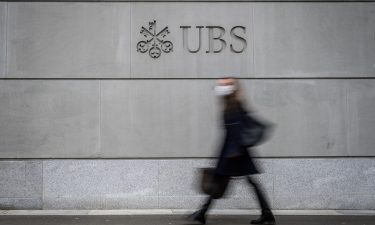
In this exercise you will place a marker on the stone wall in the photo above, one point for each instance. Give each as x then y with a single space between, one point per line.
89 122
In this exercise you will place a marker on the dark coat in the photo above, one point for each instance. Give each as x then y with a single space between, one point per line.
234 160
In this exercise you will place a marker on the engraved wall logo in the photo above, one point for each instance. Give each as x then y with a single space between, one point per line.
155 43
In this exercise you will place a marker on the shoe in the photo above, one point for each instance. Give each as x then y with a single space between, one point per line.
198 216
266 218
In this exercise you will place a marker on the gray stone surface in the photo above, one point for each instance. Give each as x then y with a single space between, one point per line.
314 39
324 183
179 118
77 203
138 202
34 179
3 17
181 63
361 123
318 202
99 183
20 203
177 178
21 181
168 118
298 183
283 39
308 116
68 40
49 118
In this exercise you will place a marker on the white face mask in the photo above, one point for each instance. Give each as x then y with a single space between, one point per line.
224 90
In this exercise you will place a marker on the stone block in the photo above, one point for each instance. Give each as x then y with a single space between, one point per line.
361 123
3 18
324 177
159 118
49 118
76 203
314 39
178 178
99 183
34 179
12 179
308 116
20 203
138 202
20 180
68 40
181 202
325 202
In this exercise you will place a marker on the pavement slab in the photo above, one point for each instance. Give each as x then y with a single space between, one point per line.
179 220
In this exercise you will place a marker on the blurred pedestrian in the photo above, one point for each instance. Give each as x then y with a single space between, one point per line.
234 159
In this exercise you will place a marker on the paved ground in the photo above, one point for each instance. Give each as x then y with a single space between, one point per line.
180 220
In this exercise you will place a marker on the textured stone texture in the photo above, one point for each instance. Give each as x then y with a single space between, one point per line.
3 17
49 118
324 183
100 183
298 183
314 39
68 40
21 184
20 203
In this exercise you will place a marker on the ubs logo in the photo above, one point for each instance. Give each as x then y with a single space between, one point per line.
155 42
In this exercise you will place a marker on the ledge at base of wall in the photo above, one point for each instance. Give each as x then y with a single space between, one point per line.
183 212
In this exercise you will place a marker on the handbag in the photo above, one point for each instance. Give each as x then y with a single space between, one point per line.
253 131
212 183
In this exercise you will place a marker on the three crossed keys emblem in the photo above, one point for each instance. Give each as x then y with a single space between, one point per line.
154 42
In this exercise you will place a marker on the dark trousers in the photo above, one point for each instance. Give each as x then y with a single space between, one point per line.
261 197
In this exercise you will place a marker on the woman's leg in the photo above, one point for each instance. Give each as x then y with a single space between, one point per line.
267 216
200 215
261 197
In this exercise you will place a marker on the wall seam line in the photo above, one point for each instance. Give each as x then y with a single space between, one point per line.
253 47
42 197
100 118
130 43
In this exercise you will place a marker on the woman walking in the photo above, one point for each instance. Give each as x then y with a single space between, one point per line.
234 159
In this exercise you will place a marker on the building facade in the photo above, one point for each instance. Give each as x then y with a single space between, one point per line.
110 105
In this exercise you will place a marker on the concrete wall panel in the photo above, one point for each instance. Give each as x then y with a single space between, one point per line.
168 118
314 39
360 117
179 118
42 119
181 63
283 40
68 40
309 116
3 17
173 118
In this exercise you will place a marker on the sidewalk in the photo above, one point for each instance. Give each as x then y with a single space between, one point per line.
178 217
179 220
